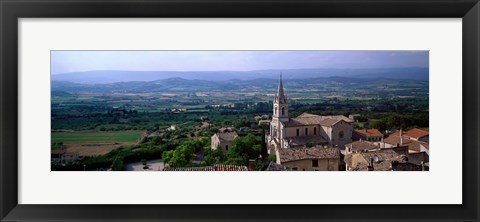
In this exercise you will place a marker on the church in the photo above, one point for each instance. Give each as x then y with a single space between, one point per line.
306 129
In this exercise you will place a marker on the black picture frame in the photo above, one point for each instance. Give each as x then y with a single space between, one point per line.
12 10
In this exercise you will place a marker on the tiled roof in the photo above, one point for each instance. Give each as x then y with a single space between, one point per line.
402 161
399 149
414 133
293 154
413 145
417 158
369 132
307 115
227 136
311 119
384 157
361 145
225 129
330 122
217 167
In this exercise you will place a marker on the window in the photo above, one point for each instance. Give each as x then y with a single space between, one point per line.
340 135
314 163
226 147
298 132
306 131
283 110
314 130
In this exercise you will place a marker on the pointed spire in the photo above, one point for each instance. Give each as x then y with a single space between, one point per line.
280 94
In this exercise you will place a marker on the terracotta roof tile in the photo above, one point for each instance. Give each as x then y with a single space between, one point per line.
414 133
293 154
413 145
383 160
361 145
369 132
311 119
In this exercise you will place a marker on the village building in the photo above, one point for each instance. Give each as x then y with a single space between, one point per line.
360 146
388 159
286 132
225 130
223 140
310 159
172 127
367 134
414 146
414 134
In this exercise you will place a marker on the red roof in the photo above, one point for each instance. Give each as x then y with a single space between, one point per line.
413 133
369 132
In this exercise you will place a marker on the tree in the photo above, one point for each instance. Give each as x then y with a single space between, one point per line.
212 157
243 149
181 156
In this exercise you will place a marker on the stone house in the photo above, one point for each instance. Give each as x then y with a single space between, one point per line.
387 159
367 134
309 159
360 146
223 140
414 134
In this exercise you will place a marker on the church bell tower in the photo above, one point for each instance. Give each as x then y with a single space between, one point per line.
280 116
280 105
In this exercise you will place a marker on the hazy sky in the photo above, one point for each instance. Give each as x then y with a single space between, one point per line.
78 61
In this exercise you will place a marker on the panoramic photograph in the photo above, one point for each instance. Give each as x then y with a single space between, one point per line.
307 110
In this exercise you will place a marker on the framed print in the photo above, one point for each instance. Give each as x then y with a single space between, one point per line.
265 110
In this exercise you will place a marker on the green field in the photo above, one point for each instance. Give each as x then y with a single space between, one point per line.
106 137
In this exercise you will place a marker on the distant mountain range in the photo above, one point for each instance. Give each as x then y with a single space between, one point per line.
177 84
112 76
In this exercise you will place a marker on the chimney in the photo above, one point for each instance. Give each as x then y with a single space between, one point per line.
401 137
